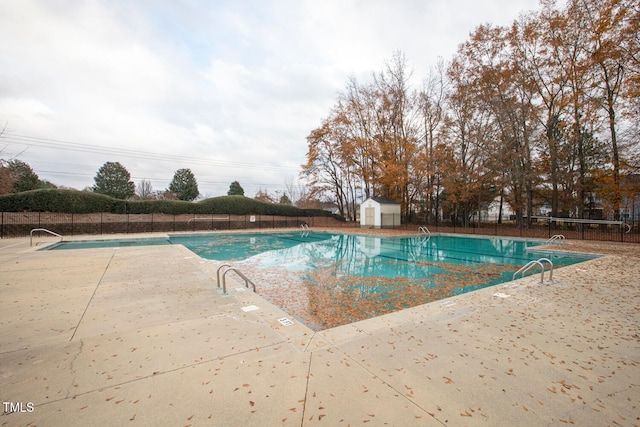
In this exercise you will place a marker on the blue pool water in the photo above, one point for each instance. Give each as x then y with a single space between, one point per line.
109 243
327 279
360 255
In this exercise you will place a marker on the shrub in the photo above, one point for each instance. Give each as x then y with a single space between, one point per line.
73 201
54 200
172 207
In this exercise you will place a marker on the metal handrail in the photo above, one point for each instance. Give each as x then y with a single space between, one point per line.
239 273
199 219
539 262
585 221
424 230
528 266
235 270
218 272
555 237
547 260
46 231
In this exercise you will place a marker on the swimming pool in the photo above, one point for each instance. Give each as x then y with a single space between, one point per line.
327 279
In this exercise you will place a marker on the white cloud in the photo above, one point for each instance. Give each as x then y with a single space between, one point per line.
230 88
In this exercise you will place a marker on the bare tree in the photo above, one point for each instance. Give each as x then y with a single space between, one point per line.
144 190
264 196
608 21
295 190
432 106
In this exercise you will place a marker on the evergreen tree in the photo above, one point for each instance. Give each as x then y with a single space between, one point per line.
184 185
114 180
285 200
235 189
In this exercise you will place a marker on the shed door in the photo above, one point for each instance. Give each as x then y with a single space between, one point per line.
369 216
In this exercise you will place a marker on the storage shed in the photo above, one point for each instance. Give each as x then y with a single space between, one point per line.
379 212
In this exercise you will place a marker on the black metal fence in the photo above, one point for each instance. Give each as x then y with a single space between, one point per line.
547 228
20 224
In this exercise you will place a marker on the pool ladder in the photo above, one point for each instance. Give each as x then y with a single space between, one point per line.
425 234
558 237
540 263
228 268
305 229
46 231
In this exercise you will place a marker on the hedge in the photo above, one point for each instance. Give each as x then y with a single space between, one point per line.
74 201
54 200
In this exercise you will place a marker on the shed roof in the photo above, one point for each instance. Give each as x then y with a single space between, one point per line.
384 200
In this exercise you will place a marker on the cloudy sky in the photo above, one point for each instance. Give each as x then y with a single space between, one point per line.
229 89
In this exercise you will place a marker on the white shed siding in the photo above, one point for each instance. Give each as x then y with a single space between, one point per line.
379 213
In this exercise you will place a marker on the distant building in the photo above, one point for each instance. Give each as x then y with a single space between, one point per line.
630 209
379 212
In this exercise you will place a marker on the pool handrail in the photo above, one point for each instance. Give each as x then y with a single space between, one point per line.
218 271
547 260
425 235
46 231
239 273
229 268
559 237
528 266
539 262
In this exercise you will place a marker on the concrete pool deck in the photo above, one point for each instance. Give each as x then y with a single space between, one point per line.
142 336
